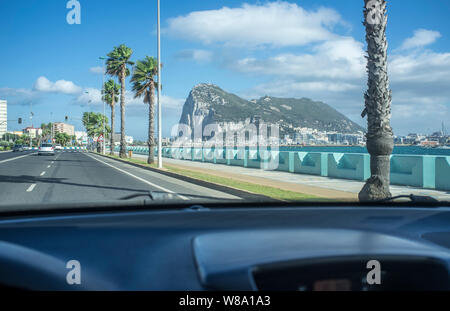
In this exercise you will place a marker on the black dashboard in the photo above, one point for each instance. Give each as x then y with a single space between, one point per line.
220 248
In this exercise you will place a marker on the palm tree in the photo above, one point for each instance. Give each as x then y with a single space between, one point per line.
144 85
110 91
378 100
116 65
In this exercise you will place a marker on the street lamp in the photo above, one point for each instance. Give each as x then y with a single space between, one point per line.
160 165
104 111
31 118
89 111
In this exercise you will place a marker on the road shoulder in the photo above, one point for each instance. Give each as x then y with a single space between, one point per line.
239 182
213 186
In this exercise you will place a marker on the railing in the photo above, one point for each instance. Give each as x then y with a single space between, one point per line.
430 172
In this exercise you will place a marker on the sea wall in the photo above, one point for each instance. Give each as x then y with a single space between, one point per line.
423 171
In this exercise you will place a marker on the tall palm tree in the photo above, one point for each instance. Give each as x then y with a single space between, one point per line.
110 91
378 98
116 65
144 85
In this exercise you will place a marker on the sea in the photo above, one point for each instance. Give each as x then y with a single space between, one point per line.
411 150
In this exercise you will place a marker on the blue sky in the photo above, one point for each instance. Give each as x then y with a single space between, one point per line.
254 48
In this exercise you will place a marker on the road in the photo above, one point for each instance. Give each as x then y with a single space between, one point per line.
76 176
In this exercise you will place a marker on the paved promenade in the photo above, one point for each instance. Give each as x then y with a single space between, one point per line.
308 184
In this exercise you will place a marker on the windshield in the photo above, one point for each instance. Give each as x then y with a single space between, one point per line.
243 101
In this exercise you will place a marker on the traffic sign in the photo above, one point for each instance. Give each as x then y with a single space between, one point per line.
100 138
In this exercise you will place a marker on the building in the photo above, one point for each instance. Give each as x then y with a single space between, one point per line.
82 137
60 127
128 139
3 117
32 132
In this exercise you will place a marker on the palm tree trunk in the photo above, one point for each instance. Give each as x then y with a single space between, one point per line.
378 100
151 126
123 146
113 112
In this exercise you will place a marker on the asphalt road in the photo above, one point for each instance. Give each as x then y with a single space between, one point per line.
74 176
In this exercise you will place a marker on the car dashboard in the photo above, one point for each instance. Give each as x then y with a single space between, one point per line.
229 248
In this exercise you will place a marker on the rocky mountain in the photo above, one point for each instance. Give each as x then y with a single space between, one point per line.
208 103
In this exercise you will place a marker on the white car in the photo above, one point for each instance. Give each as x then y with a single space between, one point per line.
58 147
46 149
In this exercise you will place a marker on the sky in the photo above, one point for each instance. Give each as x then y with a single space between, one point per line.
307 48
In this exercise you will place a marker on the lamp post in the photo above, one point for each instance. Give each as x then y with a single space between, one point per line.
104 112
31 119
160 165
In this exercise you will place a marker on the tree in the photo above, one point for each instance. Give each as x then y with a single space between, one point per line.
378 98
116 65
93 122
62 138
144 85
46 131
110 91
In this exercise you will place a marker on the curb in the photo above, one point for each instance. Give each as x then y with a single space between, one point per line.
236 192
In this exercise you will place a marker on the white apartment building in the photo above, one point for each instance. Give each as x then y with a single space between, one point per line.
3 117
59 127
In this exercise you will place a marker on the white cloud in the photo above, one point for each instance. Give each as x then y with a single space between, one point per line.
274 24
97 70
42 84
19 96
172 103
419 82
421 38
195 55
92 96
89 96
424 67
289 88
342 58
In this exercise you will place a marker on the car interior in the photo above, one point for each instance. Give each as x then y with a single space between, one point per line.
232 247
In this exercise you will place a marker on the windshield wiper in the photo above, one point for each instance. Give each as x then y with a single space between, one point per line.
161 195
412 197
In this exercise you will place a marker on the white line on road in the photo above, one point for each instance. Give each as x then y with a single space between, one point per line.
49 166
43 173
139 178
16 158
31 188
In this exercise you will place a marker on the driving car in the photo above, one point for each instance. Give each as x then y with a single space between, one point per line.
289 146
18 148
46 149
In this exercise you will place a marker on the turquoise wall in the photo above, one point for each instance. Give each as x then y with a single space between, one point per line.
423 171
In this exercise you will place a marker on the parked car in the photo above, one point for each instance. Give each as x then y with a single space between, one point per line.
58 147
18 148
46 149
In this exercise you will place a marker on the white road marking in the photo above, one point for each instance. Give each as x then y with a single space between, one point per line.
43 173
31 188
139 178
49 166
16 158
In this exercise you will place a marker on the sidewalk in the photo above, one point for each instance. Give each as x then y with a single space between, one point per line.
325 187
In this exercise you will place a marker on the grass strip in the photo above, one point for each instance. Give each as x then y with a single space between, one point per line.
272 192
